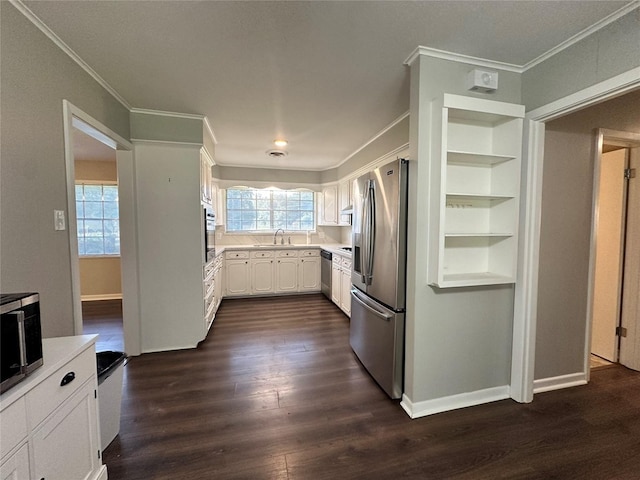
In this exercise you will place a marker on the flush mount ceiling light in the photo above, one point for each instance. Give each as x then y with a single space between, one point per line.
277 153
280 143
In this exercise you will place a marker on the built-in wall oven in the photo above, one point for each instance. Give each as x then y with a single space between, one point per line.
325 273
209 234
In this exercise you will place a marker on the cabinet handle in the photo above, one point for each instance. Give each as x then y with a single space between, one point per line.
68 378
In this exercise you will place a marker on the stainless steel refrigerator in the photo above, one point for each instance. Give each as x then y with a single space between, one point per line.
378 273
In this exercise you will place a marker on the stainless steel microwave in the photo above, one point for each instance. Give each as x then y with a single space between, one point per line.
21 337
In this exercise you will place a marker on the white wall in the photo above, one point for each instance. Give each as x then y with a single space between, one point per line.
36 76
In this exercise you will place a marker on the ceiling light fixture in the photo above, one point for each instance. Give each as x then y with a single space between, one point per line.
280 143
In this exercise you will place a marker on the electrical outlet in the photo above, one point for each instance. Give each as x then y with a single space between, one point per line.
59 222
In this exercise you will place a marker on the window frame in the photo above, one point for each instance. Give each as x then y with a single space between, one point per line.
103 183
271 210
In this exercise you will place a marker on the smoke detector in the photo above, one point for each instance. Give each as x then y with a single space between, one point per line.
277 153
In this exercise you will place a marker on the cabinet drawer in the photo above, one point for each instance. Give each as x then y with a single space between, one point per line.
14 426
286 253
346 263
262 254
310 253
234 255
43 399
337 259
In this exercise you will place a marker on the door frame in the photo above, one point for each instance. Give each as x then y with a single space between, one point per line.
73 117
610 137
526 289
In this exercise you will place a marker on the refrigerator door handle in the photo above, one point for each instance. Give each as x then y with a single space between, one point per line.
364 224
372 231
358 297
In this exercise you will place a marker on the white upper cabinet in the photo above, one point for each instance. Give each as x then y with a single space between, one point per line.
344 191
205 177
475 165
328 205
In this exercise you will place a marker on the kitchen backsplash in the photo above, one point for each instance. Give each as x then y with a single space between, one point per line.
331 235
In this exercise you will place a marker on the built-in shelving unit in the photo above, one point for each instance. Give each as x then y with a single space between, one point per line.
475 165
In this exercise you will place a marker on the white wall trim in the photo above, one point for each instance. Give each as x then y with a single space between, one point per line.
374 138
460 58
523 353
559 382
102 296
33 18
162 113
210 130
582 35
612 87
387 157
144 141
526 288
453 402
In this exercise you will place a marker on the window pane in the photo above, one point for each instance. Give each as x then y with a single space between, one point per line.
110 193
94 246
253 209
93 209
97 219
93 193
110 209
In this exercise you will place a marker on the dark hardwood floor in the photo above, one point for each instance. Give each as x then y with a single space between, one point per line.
104 317
275 392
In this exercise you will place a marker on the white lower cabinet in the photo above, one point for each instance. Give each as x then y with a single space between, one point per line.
341 282
309 275
50 428
280 271
16 466
262 273
238 279
66 445
287 271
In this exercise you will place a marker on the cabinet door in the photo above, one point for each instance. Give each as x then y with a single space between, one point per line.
16 467
262 276
336 279
287 275
345 291
218 290
66 446
309 274
345 201
237 276
328 206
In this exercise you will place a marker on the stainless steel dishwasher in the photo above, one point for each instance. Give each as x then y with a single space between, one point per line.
325 273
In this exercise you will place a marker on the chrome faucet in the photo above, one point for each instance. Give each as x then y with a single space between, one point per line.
275 235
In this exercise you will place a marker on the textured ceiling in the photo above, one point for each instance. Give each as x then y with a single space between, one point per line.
327 76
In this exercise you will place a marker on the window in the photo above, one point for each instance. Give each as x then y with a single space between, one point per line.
98 224
252 209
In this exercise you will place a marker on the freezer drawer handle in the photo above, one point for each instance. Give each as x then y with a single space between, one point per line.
375 311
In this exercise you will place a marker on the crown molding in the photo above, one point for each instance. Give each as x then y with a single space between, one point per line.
33 18
460 58
162 113
582 35
210 130
373 139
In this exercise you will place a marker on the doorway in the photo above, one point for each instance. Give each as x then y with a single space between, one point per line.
98 231
128 307
614 246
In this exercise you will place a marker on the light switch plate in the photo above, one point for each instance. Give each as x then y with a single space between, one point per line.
59 222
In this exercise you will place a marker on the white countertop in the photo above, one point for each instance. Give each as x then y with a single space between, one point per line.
55 353
331 247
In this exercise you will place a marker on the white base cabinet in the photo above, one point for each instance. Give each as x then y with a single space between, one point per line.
49 430
271 272
341 282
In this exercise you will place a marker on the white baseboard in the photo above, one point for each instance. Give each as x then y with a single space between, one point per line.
453 402
561 381
102 473
105 296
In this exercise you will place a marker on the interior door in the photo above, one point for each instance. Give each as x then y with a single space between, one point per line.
609 254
